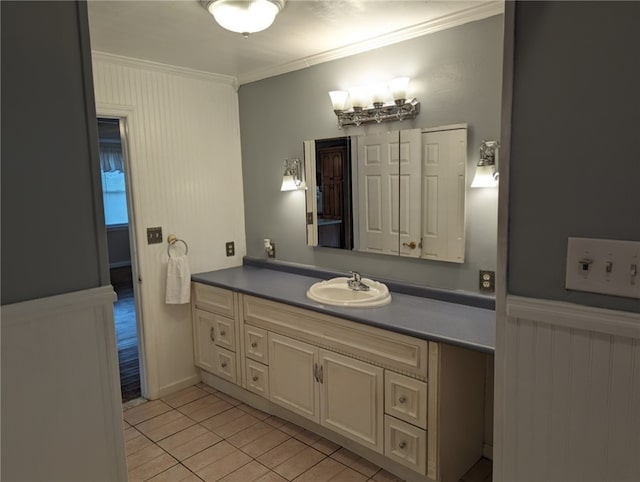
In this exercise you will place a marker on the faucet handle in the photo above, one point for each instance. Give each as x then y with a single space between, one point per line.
356 275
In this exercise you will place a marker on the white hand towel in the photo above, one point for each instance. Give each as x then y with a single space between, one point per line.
178 281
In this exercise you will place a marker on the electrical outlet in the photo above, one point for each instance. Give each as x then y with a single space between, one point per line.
230 247
154 235
487 281
272 251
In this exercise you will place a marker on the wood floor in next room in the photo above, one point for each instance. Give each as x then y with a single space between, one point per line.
199 434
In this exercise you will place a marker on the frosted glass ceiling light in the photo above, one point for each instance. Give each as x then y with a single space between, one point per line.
486 174
244 17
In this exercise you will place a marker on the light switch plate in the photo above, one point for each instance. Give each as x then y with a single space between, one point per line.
154 235
604 266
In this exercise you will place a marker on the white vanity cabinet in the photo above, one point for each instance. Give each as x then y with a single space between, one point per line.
412 406
215 330
336 391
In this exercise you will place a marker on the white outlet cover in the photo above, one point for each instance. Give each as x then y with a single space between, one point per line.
622 257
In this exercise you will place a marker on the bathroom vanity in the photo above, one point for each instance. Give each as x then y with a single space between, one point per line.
402 385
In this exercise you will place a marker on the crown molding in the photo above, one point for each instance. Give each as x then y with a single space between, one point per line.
165 68
471 14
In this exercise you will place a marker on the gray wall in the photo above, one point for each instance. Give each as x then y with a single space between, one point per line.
456 75
575 168
49 218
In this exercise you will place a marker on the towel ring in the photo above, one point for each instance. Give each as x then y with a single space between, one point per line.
172 239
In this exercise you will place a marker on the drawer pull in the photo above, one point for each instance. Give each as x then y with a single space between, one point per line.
402 399
222 332
255 378
211 334
224 364
402 444
254 344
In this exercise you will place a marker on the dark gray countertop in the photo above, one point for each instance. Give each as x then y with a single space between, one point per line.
457 324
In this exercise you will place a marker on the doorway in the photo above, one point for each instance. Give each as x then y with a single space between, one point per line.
118 223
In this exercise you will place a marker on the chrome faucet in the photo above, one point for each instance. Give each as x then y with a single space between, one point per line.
356 283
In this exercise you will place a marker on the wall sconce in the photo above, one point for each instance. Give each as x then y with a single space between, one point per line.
486 174
244 17
371 103
292 178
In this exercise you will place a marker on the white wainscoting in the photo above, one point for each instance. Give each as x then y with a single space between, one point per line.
61 405
571 393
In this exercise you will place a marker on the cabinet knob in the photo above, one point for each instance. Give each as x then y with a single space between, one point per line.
222 332
411 245
224 364
402 399
254 344
402 444
255 378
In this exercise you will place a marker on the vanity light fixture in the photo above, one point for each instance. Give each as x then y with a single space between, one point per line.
292 178
245 17
373 103
486 174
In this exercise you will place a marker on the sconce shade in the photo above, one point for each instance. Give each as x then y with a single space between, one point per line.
288 183
484 177
359 97
339 99
399 87
379 93
245 17
486 174
292 178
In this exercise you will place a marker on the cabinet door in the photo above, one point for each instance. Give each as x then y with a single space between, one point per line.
351 399
292 384
204 336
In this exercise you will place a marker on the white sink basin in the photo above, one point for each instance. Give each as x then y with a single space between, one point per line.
336 292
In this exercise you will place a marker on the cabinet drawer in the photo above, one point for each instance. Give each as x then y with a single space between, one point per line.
258 378
256 344
405 398
225 364
405 444
224 332
214 299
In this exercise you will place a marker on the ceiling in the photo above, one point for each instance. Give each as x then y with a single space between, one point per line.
183 33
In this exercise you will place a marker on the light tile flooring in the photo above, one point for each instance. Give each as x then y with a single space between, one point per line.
200 434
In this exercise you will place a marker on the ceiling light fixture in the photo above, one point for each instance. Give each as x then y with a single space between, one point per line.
372 103
245 17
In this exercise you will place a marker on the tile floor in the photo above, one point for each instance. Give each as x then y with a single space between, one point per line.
200 434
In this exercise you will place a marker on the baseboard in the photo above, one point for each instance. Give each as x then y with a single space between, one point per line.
179 385
487 451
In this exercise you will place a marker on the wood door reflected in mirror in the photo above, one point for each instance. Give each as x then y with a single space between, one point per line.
333 192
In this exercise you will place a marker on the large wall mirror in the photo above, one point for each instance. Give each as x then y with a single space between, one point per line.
399 193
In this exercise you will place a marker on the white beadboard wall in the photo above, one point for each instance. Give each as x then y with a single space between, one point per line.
572 393
61 406
186 176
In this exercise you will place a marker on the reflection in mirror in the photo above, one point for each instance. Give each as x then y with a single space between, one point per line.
332 189
407 197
